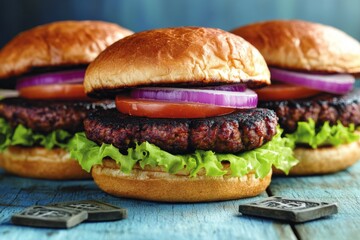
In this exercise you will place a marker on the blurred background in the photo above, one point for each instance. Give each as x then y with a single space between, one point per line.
138 15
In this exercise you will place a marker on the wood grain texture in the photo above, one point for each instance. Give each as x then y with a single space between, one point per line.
219 220
147 220
342 187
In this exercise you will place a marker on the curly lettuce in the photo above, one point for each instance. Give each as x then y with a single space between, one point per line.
307 133
26 137
277 152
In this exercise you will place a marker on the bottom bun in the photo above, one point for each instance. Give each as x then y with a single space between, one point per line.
38 162
156 185
324 160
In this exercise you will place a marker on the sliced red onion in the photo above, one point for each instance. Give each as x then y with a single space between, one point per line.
73 76
232 87
243 100
333 83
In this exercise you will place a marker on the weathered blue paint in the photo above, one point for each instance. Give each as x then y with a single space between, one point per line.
147 220
220 220
343 188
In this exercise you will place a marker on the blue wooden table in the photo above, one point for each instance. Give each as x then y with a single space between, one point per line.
220 220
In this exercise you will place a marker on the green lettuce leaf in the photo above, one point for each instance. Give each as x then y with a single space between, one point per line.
5 134
26 137
277 152
307 133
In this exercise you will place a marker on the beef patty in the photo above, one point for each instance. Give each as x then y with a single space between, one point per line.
235 132
46 116
321 108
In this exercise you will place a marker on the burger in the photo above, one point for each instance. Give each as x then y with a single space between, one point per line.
185 127
47 65
312 69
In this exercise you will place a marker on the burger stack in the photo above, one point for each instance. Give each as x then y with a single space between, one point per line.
47 66
151 148
313 69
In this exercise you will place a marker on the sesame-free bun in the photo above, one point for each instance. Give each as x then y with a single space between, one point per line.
305 46
324 160
63 43
170 56
39 162
156 185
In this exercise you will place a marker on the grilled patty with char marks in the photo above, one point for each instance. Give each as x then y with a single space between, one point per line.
321 108
44 116
235 132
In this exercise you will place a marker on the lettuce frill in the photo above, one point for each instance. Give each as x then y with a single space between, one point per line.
260 161
308 134
26 137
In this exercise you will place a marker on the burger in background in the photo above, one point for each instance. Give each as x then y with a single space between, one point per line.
185 129
47 66
312 69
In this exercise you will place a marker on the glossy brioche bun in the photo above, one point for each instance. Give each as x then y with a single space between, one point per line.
156 185
63 43
184 55
38 162
325 159
301 45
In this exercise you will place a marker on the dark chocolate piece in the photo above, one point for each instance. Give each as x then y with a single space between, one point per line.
48 216
97 211
292 210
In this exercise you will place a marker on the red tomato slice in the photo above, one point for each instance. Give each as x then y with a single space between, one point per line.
54 91
163 109
277 92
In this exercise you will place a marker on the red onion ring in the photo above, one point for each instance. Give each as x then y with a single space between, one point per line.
332 83
241 100
72 76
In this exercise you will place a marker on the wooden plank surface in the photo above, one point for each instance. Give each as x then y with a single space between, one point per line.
147 220
342 187
220 220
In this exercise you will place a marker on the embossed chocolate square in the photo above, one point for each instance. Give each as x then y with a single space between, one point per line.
51 217
97 211
293 210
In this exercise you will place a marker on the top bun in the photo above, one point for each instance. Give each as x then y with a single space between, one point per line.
184 55
301 45
58 44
